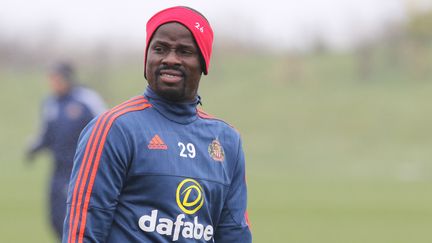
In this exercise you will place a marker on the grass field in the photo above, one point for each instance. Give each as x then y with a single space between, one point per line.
330 158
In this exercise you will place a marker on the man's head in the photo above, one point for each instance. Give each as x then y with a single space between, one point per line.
61 78
178 50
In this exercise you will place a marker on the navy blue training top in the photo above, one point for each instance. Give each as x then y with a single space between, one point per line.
150 170
63 119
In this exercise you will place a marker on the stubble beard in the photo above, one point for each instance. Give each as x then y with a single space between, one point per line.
174 94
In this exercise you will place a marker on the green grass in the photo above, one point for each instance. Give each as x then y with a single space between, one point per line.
330 158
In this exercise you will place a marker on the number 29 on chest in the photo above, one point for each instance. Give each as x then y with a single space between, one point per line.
187 150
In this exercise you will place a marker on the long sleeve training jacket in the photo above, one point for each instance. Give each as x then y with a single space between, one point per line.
150 170
63 119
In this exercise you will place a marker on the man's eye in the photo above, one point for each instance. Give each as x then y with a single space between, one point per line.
158 49
186 52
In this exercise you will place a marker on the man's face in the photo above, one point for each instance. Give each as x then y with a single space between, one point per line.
173 66
58 85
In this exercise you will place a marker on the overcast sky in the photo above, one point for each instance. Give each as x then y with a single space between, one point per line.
288 23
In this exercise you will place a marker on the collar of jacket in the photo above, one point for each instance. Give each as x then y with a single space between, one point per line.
180 112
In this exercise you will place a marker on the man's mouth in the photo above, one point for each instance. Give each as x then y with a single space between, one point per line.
170 76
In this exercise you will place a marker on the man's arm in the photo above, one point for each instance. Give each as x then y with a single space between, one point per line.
100 168
43 140
234 223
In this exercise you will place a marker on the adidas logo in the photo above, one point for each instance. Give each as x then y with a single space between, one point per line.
157 143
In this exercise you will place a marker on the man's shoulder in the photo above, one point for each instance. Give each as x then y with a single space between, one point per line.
49 100
125 113
122 116
215 121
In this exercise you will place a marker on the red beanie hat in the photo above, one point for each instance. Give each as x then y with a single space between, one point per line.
195 22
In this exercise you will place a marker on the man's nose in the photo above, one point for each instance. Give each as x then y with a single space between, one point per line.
171 58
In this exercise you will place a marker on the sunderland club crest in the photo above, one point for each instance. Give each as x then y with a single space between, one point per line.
216 151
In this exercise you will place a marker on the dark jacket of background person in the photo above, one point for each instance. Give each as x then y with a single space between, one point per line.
64 115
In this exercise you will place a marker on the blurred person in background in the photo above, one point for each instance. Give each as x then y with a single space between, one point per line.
64 114
156 168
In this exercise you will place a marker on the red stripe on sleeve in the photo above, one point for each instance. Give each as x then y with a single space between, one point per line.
78 180
96 165
247 219
86 163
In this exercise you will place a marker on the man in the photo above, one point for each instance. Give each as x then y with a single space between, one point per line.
156 169
65 113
